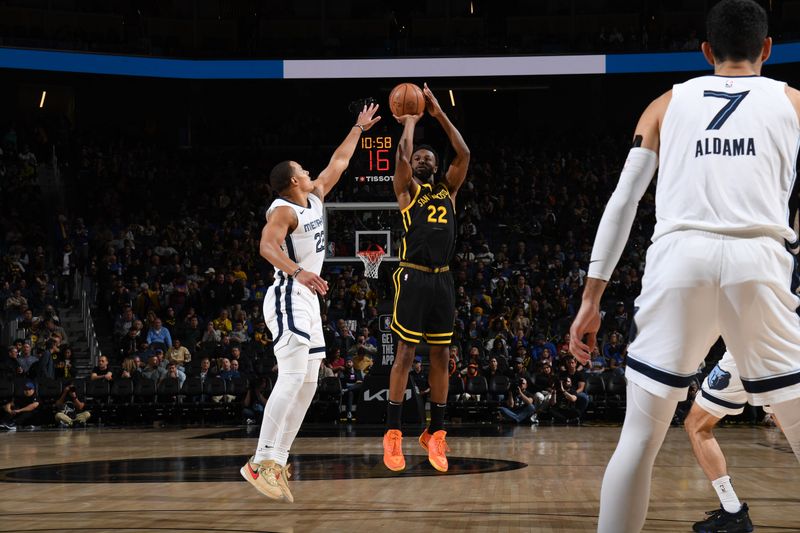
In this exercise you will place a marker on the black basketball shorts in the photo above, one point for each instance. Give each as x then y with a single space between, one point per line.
424 306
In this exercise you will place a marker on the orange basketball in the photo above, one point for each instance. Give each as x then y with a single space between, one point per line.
406 99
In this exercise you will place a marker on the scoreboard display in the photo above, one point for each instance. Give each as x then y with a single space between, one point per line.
373 161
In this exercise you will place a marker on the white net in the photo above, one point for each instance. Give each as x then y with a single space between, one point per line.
372 260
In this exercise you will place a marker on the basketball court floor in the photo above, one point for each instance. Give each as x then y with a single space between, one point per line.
502 478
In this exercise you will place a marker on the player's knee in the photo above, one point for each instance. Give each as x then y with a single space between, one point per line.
690 426
293 379
405 353
698 424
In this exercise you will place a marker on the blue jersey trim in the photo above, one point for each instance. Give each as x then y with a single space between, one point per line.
754 386
718 401
673 380
278 313
289 316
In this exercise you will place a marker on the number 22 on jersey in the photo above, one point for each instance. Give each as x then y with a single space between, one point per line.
432 214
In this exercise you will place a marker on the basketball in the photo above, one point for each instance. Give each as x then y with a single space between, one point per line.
406 99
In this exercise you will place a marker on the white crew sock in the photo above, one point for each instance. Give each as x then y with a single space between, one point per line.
727 496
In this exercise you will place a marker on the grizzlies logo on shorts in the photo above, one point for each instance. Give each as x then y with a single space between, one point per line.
719 379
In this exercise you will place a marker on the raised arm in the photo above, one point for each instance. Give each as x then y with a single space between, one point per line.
457 171
615 225
405 188
329 177
279 223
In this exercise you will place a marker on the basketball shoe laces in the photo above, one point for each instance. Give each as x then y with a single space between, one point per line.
272 473
397 449
439 445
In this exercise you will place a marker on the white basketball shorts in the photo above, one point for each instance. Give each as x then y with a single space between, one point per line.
291 309
698 286
722 392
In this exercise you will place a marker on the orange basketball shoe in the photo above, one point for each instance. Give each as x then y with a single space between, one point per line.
436 446
424 438
393 450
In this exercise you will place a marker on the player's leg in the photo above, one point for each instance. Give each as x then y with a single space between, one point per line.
293 421
721 394
699 425
625 494
759 293
677 325
407 325
788 413
265 469
307 317
433 438
439 321
732 515
398 382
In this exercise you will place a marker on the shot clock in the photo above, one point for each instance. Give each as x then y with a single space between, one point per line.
373 161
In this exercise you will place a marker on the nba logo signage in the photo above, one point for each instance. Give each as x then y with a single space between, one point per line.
387 340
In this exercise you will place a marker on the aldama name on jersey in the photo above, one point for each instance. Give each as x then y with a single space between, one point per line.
717 146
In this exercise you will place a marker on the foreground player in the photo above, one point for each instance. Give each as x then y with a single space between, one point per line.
727 146
424 300
293 241
722 394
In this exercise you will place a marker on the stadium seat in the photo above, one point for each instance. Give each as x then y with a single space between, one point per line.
498 386
237 387
98 391
145 391
122 391
168 391
122 398
477 386
456 388
616 387
596 390
192 389
328 404
214 387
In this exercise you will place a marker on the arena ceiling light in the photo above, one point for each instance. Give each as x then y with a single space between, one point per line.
452 98
41 102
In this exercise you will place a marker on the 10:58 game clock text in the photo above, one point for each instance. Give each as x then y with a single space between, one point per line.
374 161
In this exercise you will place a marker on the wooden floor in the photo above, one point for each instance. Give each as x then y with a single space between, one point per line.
558 490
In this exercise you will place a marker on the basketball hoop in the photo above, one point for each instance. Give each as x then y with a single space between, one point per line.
371 257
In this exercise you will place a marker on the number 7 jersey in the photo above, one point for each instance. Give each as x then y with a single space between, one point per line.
305 245
430 227
727 158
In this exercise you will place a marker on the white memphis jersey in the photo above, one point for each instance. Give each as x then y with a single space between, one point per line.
727 158
306 244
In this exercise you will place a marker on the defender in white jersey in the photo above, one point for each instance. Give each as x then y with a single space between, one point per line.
293 241
727 146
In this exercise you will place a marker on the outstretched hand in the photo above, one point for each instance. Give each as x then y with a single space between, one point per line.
365 118
431 103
